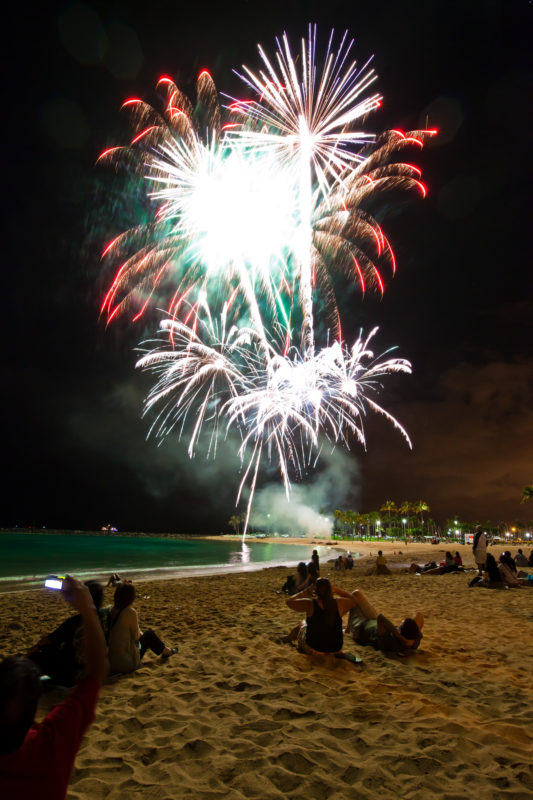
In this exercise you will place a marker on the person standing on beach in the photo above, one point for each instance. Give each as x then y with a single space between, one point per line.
479 548
316 562
36 760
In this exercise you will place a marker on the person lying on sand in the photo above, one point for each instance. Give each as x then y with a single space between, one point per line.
370 628
60 654
321 631
448 565
36 759
415 568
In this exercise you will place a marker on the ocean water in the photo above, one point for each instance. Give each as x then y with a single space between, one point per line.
26 558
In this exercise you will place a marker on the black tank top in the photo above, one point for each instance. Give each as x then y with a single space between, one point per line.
320 635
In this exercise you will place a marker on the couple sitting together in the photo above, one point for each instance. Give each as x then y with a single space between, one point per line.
321 631
60 654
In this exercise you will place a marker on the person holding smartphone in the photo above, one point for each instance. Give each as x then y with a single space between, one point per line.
36 760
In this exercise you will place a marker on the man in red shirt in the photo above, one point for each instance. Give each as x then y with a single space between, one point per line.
36 760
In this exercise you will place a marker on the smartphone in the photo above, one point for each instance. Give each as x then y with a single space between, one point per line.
54 582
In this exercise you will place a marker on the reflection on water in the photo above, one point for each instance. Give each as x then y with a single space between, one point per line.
241 556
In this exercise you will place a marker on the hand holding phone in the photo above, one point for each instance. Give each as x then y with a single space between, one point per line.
54 582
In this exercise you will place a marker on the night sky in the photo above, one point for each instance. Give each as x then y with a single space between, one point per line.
460 306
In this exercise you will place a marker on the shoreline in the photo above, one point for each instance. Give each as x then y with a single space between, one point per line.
236 714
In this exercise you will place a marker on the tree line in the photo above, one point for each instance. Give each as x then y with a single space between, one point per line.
405 519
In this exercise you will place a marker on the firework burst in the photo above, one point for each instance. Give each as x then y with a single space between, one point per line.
252 216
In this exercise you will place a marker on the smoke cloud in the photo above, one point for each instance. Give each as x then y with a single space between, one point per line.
309 510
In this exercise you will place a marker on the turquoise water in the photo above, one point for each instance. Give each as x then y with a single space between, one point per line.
28 557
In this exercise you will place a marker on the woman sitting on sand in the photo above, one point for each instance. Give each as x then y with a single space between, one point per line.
298 581
127 644
507 573
321 631
457 559
491 578
312 574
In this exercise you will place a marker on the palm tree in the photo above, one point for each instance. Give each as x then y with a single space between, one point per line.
338 516
235 523
389 506
419 507
527 494
405 509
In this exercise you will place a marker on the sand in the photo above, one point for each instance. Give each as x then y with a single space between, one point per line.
236 714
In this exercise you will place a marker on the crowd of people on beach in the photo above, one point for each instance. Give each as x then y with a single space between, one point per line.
36 760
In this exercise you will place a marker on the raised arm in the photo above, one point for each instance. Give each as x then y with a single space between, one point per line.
301 602
79 597
346 600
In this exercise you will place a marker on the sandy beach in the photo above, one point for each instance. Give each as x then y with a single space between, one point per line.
236 714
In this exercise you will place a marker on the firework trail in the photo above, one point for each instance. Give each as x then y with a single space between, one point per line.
251 214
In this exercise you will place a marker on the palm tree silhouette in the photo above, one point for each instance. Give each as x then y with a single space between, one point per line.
419 507
527 494
389 506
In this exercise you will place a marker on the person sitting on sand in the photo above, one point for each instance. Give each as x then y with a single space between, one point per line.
507 573
530 559
114 580
381 564
339 562
457 559
126 642
349 561
520 560
491 578
321 631
60 654
370 628
507 558
298 581
312 574
36 759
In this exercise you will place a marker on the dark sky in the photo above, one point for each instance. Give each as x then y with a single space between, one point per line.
460 306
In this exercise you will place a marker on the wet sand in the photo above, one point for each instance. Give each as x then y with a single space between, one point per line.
236 714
